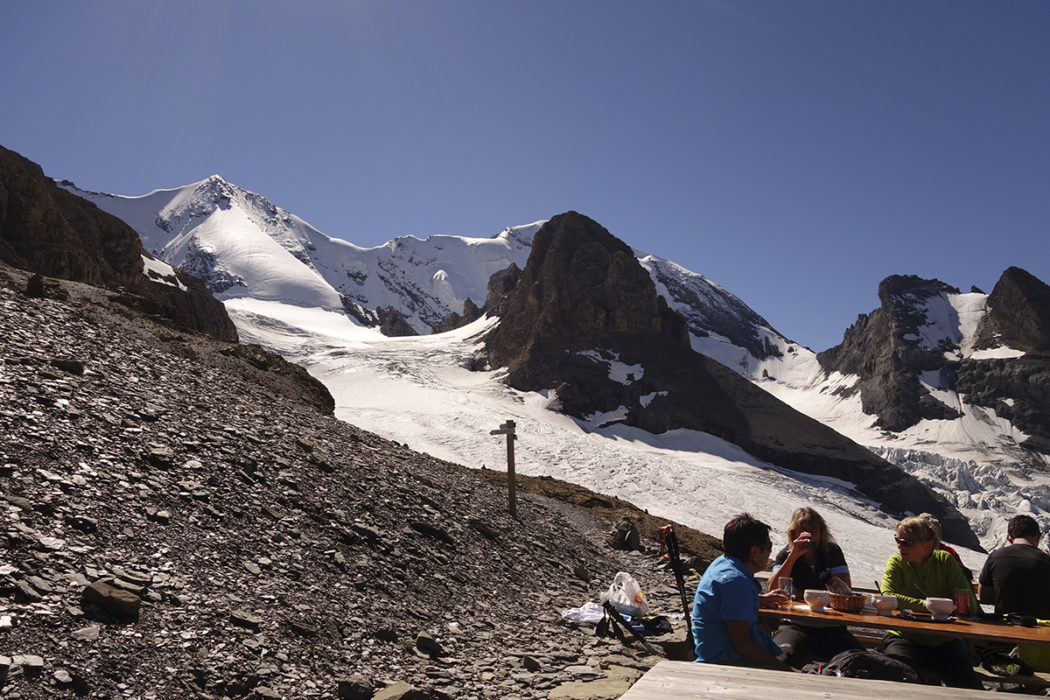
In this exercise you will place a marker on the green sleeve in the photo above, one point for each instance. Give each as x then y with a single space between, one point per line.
896 580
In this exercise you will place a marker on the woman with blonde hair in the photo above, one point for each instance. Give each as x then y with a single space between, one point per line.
812 559
919 570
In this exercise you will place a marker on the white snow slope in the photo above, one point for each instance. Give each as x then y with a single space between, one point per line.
287 285
417 391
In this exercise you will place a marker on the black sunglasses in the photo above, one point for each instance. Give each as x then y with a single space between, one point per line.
903 542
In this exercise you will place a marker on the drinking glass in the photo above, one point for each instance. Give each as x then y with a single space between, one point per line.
788 588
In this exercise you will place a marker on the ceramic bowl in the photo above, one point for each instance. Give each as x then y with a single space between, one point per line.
884 604
940 608
816 599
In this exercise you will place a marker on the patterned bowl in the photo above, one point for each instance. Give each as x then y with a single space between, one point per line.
847 603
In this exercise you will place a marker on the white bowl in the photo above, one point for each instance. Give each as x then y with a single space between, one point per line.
884 604
940 608
816 599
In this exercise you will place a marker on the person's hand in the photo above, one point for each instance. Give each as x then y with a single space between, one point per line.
801 543
774 599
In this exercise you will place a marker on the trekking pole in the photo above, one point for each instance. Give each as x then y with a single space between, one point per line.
669 540
614 615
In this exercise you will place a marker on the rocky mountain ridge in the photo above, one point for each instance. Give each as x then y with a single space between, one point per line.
423 282
919 358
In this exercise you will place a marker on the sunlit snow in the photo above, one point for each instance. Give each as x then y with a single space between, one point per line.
417 391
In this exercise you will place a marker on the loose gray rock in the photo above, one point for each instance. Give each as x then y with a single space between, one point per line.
109 597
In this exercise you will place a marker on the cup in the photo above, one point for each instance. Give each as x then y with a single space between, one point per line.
884 604
940 608
787 587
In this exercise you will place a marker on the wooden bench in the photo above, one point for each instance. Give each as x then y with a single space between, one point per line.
668 680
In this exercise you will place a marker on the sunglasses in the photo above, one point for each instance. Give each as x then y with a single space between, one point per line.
903 542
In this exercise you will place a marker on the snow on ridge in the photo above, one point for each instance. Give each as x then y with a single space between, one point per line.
1003 352
951 325
161 272
970 309
619 372
242 245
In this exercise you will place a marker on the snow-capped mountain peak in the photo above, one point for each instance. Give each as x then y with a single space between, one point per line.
243 245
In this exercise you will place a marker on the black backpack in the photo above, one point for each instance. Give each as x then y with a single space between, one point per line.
625 536
863 663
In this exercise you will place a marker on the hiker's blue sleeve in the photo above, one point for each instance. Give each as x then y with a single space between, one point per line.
739 600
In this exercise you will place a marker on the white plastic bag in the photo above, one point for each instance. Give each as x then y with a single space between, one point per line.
626 596
588 612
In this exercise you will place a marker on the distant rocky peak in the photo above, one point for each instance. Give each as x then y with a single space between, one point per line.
1018 314
214 191
580 285
910 288
982 349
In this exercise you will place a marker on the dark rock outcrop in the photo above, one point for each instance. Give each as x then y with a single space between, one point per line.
393 323
1017 388
883 349
880 349
48 230
584 320
1018 314
580 287
471 313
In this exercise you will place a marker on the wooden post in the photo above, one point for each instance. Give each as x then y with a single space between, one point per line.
508 429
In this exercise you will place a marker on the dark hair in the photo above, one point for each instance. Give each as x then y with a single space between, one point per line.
1023 526
744 532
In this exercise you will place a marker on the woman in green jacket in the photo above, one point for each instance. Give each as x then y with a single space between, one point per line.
916 572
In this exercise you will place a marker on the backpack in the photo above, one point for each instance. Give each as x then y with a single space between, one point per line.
625 536
863 663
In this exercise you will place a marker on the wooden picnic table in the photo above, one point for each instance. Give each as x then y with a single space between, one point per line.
987 630
669 680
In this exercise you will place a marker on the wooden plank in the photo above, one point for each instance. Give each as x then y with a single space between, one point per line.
970 629
668 680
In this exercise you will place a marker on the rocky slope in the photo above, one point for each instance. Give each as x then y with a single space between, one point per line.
182 521
47 230
584 322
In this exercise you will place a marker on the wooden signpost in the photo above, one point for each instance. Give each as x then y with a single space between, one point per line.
508 429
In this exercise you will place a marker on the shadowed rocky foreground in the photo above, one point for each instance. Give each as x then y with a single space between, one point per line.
182 518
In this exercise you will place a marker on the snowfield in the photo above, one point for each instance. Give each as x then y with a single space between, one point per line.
417 391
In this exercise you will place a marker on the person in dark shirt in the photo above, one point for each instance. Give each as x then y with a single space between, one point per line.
812 559
1016 578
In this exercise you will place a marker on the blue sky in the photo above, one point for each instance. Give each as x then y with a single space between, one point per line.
794 152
